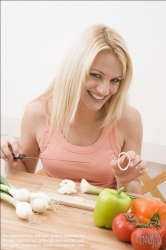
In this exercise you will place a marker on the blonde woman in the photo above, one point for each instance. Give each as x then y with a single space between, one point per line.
84 116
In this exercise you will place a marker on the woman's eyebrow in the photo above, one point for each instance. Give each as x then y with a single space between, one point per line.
99 71
117 77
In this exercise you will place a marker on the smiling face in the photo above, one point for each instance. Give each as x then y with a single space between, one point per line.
103 81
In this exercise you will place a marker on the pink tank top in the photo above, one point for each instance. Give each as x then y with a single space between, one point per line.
99 155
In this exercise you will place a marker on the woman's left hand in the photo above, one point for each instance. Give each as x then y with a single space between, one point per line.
136 168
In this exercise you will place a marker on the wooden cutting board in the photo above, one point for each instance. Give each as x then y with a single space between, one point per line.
78 200
73 200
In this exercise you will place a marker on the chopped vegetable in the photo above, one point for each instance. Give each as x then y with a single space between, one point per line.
23 209
67 187
109 203
78 198
68 183
85 187
66 190
123 153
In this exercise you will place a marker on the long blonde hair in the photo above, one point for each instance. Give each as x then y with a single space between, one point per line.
67 87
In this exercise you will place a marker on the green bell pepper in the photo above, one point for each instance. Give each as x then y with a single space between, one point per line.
109 203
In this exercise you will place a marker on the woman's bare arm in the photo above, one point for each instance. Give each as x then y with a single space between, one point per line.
130 129
32 127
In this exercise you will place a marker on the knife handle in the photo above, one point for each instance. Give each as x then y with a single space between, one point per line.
21 156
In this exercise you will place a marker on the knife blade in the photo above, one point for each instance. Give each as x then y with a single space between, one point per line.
23 156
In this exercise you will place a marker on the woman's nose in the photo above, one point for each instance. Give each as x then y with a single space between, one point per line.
104 88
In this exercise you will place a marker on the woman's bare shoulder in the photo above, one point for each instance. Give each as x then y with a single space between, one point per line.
130 121
130 114
35 109
34 116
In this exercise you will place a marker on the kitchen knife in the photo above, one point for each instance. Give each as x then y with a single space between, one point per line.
23 156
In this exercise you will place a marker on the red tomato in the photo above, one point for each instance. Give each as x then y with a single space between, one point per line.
123 228
162 232
146 239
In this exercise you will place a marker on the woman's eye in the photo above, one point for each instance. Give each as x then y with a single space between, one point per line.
95 75
115 80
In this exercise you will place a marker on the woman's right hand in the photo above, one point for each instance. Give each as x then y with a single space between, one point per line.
10 145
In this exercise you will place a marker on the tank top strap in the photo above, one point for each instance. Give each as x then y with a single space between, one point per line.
49 107
45 138
114 139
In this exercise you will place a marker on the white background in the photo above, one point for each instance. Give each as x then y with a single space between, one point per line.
36 34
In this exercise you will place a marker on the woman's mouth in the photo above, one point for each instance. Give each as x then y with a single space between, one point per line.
96 97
